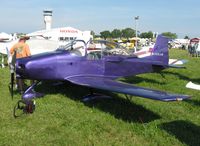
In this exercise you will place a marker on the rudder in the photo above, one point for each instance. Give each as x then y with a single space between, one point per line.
160 50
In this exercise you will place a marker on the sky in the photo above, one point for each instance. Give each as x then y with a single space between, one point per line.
177 16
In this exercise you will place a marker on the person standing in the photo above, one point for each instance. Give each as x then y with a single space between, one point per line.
22 50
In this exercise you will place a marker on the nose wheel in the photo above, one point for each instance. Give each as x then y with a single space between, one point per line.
24 107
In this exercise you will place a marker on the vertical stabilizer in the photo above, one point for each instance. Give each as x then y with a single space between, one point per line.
160 50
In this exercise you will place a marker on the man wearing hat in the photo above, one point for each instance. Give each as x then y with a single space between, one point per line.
22 50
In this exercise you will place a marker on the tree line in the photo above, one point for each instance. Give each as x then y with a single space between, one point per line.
130 33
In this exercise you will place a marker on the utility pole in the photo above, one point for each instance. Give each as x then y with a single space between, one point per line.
136 19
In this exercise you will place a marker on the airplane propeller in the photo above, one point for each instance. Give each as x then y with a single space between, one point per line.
12 73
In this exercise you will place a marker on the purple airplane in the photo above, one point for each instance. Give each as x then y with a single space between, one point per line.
94 65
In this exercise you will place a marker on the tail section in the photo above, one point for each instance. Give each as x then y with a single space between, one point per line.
160 51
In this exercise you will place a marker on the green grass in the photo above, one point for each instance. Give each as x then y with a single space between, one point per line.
62 119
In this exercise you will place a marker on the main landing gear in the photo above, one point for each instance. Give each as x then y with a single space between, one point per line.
93 96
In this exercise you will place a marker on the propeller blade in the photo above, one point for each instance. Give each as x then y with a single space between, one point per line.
12 74
12 84
14 57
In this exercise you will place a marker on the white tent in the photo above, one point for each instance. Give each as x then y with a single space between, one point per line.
5 36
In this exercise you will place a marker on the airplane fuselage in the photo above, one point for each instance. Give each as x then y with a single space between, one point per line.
60 65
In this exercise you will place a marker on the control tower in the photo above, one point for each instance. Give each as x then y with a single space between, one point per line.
48 18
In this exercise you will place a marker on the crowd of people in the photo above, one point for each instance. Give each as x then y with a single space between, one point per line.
193 49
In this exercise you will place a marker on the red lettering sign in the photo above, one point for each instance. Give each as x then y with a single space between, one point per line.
68 31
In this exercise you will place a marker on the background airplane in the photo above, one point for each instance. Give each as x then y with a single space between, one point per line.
37 45
192 85
94 70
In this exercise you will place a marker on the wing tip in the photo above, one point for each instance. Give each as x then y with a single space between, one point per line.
177 98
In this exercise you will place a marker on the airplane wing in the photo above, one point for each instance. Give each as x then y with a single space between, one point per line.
116 86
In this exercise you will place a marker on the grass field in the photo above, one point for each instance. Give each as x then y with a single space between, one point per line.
62 119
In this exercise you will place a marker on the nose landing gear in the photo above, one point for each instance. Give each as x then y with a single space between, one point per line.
24 107
27 105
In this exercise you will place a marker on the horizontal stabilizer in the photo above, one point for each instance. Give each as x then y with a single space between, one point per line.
119 87
176 66
177 62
